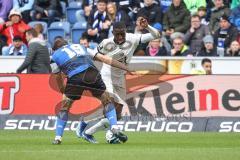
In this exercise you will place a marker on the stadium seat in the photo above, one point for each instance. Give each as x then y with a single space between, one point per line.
58 29
44 24
63 25
71 11
78 29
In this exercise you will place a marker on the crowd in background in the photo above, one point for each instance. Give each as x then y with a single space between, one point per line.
188 27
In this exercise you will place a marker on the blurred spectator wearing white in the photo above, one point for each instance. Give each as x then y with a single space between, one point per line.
5 7
193 37
49 9
179 47
18 48
202 13
39 28
208 49
14 27
216 13
193 5
25 7
224 36
234 49
98 23
151 11
177 18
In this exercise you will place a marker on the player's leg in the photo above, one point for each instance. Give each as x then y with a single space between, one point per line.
73 91
62 119
104 123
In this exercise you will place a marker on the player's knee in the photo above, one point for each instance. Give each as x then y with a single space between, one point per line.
119 116
105 99
66 103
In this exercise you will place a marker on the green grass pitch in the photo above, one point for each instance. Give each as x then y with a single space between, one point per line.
36 145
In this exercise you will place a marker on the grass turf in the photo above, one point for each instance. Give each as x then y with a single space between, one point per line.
34 145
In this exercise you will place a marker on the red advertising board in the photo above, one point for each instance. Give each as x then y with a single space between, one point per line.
28 94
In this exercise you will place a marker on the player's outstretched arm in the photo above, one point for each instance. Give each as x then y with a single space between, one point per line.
153 32
108 60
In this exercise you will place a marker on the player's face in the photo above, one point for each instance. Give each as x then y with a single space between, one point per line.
119 36
207 66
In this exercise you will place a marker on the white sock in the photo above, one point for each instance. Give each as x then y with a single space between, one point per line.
98 126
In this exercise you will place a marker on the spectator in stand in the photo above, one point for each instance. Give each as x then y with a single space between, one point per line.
225 35
207 66
49 9
39 29
18 48
235 17
5 7
202 11
164 4
98 23
179 48
193 5
25 7
177 18
217 12
152 11
14 27
130 7
208 50
234 49
117 16
156 48
88 6
37 59
193 37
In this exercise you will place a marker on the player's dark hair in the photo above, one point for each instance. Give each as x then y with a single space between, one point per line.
32 32
119 25
102 1
84 37
58 43
205 60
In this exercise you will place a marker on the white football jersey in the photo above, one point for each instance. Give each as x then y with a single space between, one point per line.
123 53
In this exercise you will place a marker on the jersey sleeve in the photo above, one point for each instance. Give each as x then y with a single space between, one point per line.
54 66
102 47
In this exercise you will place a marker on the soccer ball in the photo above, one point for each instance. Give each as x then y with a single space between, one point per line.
111 138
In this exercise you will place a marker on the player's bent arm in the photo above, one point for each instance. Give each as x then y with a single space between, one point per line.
153 34
60 81
108 60
59 76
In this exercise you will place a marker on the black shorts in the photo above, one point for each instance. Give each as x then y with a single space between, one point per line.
90 79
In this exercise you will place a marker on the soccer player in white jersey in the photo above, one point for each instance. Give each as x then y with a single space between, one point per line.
120 47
